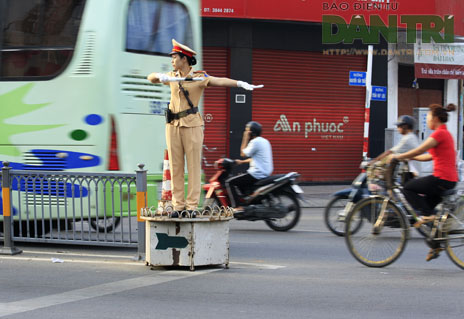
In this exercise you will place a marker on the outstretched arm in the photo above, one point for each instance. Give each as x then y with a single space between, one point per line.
158 78
424 147
423 158
214 81
381 156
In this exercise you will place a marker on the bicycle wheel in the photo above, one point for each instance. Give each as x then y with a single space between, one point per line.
376 246
454 233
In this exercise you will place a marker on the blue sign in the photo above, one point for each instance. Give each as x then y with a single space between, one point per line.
379 93
357 78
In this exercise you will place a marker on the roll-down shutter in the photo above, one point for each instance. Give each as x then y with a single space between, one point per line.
215 63
312 117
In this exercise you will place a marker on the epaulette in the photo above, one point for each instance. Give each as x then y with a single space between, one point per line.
200 72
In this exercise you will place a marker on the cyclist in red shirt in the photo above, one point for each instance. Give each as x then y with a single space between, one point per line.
441 148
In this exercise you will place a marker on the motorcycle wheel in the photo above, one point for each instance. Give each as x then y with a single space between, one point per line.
102 227
292 217
331 216
331 212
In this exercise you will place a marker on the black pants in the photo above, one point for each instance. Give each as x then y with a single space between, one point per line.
426 192
243 182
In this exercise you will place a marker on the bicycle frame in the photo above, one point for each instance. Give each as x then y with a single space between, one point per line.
396 196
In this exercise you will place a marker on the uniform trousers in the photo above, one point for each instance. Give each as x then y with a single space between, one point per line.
425 193
185 143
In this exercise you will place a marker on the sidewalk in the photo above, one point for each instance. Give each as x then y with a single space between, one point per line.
319 195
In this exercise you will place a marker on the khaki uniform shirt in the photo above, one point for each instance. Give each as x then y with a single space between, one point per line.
179 103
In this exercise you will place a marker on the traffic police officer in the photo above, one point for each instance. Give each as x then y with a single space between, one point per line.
184 128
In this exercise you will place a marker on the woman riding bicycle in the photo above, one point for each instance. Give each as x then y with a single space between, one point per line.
440 146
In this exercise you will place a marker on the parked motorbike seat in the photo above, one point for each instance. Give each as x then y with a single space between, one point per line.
268 180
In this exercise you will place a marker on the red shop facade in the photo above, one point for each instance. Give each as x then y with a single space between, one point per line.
311 115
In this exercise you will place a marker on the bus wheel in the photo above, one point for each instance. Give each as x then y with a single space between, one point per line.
105 225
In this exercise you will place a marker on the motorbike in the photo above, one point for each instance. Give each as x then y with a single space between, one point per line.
274 200
344 200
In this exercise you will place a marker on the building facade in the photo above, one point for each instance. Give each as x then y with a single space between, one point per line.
313 117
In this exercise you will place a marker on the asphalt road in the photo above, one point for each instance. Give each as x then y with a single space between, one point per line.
305 273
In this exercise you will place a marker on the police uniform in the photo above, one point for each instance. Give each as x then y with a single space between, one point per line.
184 135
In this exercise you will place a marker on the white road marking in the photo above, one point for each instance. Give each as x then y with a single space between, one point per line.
14 307
66 253
128 263
258 265
84 261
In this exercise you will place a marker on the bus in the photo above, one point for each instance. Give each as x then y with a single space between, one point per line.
73 88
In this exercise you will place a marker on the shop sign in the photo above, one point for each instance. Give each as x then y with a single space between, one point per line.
327 130
439 61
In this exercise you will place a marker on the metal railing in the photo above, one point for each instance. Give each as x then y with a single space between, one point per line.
74 208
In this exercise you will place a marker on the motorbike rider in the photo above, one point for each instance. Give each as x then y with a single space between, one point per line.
259 153
408 141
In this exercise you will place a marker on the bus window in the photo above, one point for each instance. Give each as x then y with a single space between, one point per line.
37 37
151 25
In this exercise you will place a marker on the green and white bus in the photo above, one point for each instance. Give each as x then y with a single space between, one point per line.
73 88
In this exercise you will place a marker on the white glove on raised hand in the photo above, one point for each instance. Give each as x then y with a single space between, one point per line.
248 86
163 77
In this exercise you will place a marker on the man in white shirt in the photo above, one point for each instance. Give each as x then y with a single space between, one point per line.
259 151
408 141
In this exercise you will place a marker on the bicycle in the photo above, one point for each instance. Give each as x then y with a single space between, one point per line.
385 229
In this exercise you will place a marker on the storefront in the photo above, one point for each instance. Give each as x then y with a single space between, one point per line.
313 118
311 115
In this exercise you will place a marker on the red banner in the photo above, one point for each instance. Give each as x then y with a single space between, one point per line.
313 10
439 61
439 71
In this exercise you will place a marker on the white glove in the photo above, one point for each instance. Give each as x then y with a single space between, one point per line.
163 77
248 86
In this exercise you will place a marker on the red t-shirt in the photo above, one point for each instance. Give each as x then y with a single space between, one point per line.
444 155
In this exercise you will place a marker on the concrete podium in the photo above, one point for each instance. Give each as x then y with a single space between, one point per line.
187 241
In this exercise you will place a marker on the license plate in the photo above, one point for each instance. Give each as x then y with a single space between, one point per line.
297 189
